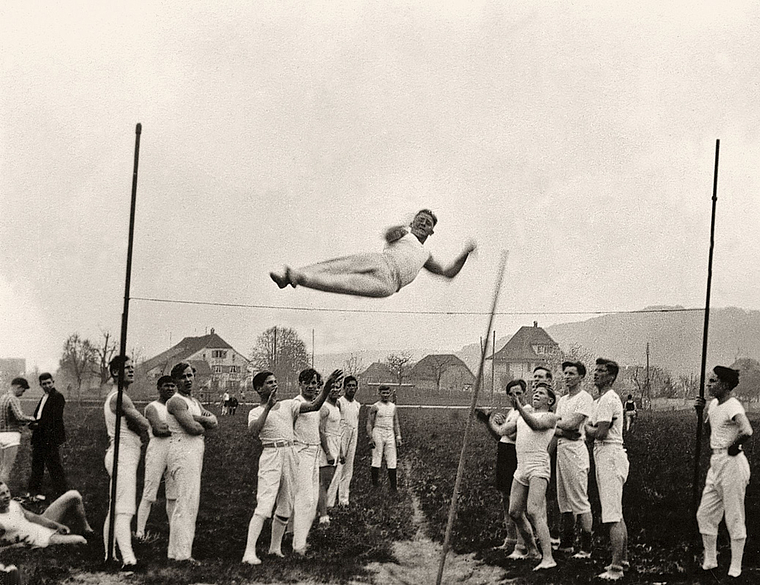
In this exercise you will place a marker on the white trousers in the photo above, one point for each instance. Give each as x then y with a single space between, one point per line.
724 491
385 445
185 466
156 467
306 493
340 487
572 477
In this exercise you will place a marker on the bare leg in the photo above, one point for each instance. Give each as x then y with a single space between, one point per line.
518 502
67 539
69 505
366 275
536 509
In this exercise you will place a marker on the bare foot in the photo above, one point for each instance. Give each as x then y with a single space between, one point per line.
545 564
280 277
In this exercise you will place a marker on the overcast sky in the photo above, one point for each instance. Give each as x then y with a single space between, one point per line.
579 136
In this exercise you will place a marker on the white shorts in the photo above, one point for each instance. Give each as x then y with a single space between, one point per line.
611 474
9 439
385 445
572 477
530 465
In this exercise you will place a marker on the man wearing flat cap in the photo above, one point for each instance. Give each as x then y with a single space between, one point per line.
11 418
728 475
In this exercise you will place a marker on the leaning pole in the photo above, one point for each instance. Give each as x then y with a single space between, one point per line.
473 404
700 409
123 353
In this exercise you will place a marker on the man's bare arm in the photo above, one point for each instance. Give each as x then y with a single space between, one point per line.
450 271
179 410
159 427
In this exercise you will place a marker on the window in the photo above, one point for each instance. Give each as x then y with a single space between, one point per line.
217 369
234 369
218 353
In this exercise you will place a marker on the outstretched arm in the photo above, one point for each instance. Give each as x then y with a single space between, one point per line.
537 424
450 271
395 233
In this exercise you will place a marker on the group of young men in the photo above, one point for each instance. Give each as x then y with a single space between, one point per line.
526 466
174 426
308 449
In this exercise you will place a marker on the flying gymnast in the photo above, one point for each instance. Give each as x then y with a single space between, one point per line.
377 274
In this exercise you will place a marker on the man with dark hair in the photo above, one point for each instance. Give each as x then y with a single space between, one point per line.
384 435
132 428
542 374
728 476
573 409
188 422
156 455
11 418
378 274
349 413
48 434
605 428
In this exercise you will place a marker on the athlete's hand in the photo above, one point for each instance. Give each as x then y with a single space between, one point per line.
334 378
272 399
395 233
470 246
371 444
399 442
699 403
499 418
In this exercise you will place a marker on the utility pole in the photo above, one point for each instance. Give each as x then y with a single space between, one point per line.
493 364
312 348
647 382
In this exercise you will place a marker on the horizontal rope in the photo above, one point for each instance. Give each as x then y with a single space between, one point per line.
395 312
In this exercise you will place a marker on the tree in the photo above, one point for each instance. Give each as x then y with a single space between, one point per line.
399 364
353 365
281 351
105 352
436 367
749 379
79 360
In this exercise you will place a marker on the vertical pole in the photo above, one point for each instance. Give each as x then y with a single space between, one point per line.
647 383
698 449
493 365
123 345
473 404
312 348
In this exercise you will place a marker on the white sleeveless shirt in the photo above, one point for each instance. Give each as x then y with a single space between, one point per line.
408 256
384 415
127 437
162 414
192 405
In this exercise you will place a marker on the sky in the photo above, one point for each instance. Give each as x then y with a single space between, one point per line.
578 136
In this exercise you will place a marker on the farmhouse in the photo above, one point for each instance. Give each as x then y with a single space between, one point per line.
441 371
218 366
526 349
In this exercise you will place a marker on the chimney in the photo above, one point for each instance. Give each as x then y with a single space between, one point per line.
212 331
535 324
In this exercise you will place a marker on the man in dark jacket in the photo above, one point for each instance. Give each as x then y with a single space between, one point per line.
47 435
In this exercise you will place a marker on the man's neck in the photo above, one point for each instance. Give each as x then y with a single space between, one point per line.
603 389
574 390
724 398
349 398
186 392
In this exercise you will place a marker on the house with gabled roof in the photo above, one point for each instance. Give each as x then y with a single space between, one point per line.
218 365
526 349
441 371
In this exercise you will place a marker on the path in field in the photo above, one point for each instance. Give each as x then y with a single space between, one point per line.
419 559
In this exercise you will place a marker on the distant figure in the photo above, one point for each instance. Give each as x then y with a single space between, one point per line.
157 456
233 405
48 434
21 527
728 476
225 403
11 418
349 412
384 436
377 274
332 447
630 413
605 429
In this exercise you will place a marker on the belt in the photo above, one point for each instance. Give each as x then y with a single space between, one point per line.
724 450
278 444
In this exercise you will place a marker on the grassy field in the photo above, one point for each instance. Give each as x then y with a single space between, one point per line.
657 504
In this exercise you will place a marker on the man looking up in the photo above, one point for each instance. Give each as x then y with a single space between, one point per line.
188 422
605 428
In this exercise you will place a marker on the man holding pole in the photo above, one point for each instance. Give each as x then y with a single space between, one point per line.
133 426
728 475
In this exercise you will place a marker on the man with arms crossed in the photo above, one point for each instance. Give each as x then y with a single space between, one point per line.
11 418
188 422
340 487
384 435
133 426
728 475
156 456
573 461
272 422
605 428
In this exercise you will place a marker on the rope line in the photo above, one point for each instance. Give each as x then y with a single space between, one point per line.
402 312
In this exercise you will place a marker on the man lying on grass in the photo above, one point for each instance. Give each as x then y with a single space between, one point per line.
21 527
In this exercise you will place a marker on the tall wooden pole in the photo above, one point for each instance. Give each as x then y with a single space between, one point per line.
473 404
700 409
123 354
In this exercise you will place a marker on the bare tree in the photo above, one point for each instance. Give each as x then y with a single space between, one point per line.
105 351
78 361
689 385
436 365
353 365
399 364
281 351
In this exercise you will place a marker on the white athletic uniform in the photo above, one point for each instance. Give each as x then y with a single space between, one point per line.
349 420
383 435
728 475
16 529
126 481
156 460
278 462
532 451
308 447
572 457
406 257
332 432
610 457
185 466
